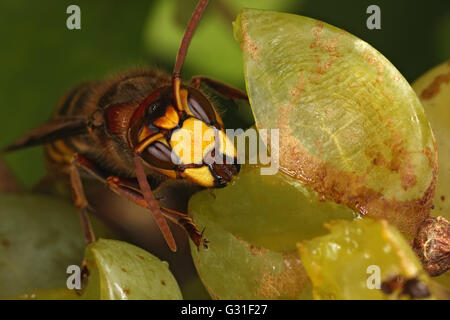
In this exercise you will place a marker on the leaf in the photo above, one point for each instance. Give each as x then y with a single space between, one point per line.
39 237
351 128
338 263
120 271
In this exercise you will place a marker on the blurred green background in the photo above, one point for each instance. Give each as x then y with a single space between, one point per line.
41 59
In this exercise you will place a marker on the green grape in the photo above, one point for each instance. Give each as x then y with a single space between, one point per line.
39 237
50 294
351 128
340 264
433 89
270 211
193 289
253 225
128 272
444 280
119 271
234 268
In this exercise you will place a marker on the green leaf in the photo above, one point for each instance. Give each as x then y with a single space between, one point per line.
351 128
338 263
39 238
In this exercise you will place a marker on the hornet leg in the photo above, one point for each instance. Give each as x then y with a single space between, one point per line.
220 87
129 189
80 200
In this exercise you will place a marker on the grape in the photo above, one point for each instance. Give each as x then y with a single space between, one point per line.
252 226
50 294
267 210
119 271
433 89
338 262
128 272
351 128
39 237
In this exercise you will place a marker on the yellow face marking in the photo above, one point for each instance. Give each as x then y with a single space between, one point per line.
201 176
192 141
170 173
169 120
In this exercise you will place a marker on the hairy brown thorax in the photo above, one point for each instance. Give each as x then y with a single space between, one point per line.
109 107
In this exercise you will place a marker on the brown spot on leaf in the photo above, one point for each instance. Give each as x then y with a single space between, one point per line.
5 243
126 291
123 269
163 282
434 88
442 198
140 257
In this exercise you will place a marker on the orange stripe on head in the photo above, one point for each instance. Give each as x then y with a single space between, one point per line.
169 120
